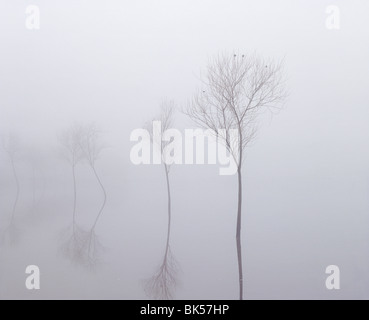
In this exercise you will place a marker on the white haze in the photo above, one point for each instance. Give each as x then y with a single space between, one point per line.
111 62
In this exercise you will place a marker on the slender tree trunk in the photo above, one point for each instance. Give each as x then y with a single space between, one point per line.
34 188
104 203
169 210
17 193
238 232
239 216
74 199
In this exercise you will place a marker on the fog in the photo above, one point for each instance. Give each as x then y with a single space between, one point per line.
110 63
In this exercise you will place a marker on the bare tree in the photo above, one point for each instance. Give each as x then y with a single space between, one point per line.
11 146
35 160
92 147
236 89
82 143
162 284
71 143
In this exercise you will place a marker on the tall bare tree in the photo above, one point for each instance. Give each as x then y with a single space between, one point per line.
92 147
162 284
70 140
83 144
236 90
11 146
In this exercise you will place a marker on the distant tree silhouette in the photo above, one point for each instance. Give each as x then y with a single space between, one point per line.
163 283
92 147
35 160
11 146
83 144
70 140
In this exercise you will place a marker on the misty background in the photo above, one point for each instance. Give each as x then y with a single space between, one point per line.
306 176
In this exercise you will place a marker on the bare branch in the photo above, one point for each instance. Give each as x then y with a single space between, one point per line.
162 284
236 89
165 117
90 143
71 140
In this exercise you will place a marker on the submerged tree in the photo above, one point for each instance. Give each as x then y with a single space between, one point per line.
11 146
236 89
162 284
